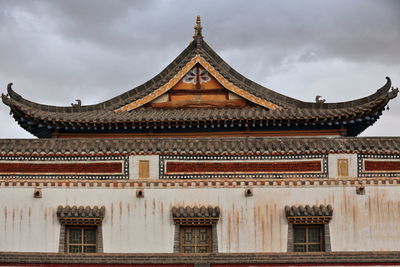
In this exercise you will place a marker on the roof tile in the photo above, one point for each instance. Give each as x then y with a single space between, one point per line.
207 145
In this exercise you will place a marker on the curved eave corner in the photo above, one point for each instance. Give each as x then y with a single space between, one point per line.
385 93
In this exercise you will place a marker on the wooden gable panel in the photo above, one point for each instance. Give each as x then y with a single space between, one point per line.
198 88
197 60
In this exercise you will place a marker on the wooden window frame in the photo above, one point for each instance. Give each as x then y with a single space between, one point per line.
196 245
307 227
82 244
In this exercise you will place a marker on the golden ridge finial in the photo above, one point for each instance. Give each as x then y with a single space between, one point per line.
197 29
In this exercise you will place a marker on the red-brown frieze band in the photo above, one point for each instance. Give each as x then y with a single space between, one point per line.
175 167
61 168
382 165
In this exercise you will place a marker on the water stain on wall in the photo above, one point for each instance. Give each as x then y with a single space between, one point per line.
112 214
13 218
5 219
162 210
228 222
255 223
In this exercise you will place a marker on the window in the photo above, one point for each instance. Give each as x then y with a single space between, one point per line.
195 229
81 239
308 238
81 229
195 239
308 228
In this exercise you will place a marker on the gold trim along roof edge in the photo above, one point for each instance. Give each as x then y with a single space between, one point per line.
198 59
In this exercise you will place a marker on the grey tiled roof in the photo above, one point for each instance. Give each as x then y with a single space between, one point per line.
195 212
307 210
221 66
189 146
198 114
80 212
53 117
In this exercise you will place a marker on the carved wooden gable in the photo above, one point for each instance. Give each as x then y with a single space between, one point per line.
198 88
198 84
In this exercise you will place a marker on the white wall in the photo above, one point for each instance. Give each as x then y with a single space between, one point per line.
247 224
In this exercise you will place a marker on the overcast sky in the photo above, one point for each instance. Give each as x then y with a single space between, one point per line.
58 51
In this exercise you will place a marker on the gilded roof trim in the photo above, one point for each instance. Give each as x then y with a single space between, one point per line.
221 79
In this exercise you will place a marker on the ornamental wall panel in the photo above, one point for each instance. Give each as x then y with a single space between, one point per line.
79 167
379 165
197 167
334 161
134 165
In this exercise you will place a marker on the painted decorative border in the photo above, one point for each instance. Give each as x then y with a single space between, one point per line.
242 167
323 174
388 158
200 183
71 159
182 72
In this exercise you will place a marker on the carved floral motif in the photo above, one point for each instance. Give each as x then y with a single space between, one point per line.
191 76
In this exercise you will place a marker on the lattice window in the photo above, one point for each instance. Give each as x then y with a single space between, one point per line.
81 229
195 239
81 239
308 228
308 238
195 229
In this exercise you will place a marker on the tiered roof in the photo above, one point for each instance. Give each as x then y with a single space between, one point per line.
261 111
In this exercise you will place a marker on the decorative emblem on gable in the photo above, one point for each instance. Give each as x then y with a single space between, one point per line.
196 74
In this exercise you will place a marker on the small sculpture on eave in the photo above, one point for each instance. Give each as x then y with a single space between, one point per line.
9 88
394 91
78 103
319 100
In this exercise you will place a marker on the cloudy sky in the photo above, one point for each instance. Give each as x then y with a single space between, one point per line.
58 51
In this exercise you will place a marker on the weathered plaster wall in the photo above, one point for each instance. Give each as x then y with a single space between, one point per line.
247 224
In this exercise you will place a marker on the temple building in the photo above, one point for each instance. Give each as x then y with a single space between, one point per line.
200 166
